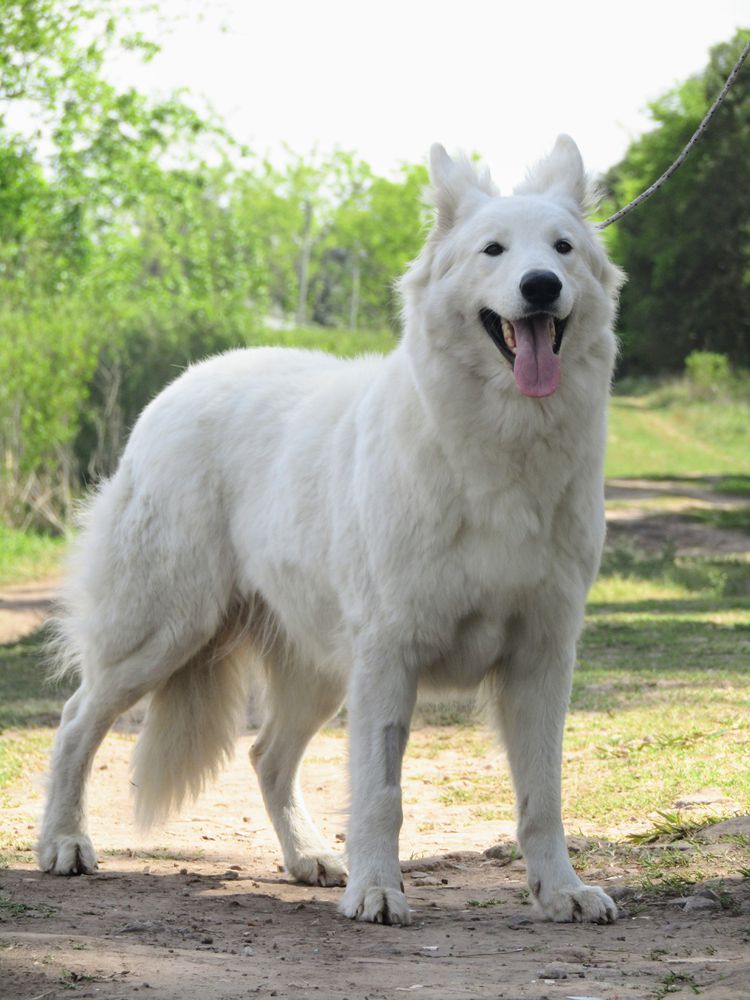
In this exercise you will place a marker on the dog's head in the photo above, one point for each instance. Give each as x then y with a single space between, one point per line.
525 274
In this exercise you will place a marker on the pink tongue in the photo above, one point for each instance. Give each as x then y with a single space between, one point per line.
537 367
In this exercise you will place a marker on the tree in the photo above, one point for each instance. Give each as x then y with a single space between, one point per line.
125 256
116 268
373 232
687 250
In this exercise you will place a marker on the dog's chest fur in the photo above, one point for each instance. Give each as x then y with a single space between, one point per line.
500 567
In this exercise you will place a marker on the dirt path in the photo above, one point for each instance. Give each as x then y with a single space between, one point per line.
24 606
651 514
201 909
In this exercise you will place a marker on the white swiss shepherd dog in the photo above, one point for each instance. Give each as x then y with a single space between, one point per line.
360 528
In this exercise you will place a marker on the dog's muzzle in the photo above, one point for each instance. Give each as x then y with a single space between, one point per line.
531 345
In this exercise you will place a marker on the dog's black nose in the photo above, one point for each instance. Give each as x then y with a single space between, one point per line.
540 288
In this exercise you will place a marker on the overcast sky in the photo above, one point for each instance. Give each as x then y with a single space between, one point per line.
386 79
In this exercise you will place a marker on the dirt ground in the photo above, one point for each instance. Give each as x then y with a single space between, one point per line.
23 608
650 514
202 908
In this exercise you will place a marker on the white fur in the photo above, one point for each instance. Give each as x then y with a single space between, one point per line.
371 524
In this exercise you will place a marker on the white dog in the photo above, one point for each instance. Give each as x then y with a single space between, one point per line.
431 517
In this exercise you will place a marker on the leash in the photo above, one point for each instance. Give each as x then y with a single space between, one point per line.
684 154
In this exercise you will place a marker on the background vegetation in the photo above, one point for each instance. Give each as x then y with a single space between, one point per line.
136 236
687 254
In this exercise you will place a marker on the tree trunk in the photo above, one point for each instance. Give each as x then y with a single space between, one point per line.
354 303
304 266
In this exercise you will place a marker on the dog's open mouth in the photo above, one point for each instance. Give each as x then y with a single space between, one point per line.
531 345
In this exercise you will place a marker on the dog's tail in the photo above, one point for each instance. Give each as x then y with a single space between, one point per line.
191 727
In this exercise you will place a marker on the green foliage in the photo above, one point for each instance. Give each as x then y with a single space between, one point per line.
687 251
27 555
669 827
125 256
668 428
334 340
708 372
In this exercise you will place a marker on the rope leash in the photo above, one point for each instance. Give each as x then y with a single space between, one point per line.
684 154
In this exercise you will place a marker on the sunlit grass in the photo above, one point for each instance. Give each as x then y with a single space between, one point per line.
28 556
335 340
663 430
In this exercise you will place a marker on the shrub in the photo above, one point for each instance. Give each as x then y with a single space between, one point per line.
709 373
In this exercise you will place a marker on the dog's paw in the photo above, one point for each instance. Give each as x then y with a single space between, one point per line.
321 868
376 904
69 855
578 904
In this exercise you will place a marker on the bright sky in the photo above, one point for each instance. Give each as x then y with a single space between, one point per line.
385 79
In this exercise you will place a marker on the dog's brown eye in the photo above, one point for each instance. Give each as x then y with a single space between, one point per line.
562 246
493 249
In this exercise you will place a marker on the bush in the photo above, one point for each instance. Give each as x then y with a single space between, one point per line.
709 373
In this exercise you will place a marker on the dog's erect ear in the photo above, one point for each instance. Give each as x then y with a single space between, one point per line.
456 186
561 173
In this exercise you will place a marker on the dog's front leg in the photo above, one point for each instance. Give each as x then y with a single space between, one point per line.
532 706
381 701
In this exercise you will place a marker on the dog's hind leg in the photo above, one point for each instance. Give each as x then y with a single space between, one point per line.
298 703
64 847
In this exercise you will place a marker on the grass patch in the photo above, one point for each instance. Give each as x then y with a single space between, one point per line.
667 828
658 430
675 982
733 485
661 697
27 555
340 341
13 909
28 699
735 519
157 854
8 858
29 711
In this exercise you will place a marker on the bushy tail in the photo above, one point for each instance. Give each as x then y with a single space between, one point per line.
190 730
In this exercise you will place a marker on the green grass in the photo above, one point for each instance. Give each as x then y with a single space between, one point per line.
29 710
12 909
27 699
729 519
664 431
737 485
676 982
28 556
343 342
661 699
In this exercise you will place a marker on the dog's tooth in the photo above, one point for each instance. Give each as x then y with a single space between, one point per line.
551 328
509 334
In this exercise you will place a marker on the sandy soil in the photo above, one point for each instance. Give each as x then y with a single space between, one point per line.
23 607
202 908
